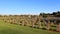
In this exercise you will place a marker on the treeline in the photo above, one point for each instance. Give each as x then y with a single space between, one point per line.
54 14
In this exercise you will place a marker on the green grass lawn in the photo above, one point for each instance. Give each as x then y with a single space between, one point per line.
6 28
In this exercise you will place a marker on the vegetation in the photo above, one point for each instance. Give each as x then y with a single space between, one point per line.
30 24
7 28
55 14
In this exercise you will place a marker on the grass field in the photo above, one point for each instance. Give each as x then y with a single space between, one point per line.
6 28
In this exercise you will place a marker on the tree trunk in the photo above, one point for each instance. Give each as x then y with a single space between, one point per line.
23 23
58 28
33 25
48 25
39 25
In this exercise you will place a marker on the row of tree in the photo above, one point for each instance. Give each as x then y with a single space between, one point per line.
33 20
55 14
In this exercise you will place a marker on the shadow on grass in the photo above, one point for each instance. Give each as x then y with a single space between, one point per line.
53 30
43 28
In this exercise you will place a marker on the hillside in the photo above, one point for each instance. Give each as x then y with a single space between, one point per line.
6 28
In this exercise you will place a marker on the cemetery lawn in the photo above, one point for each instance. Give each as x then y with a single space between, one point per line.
6 28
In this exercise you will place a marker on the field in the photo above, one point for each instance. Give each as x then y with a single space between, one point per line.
6 28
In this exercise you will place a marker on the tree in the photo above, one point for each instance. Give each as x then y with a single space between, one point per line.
58 26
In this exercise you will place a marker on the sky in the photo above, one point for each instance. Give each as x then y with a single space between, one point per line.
33 7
